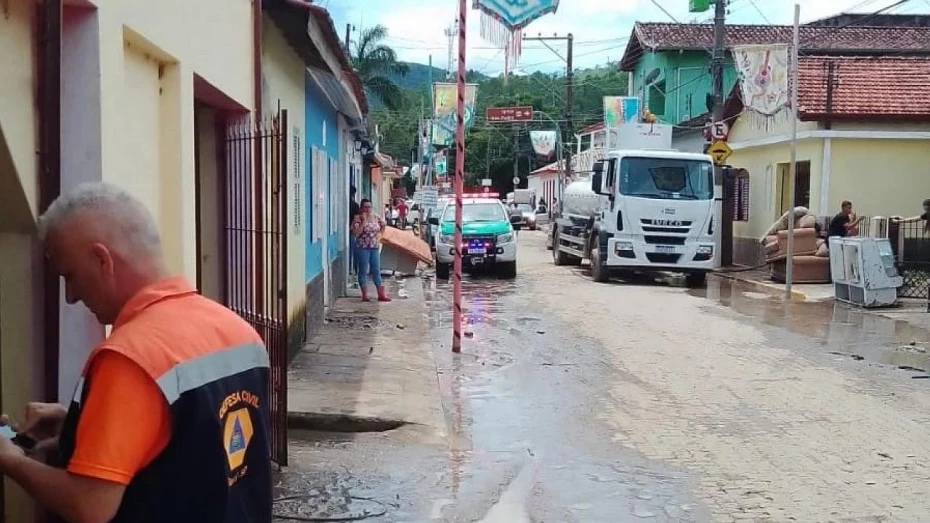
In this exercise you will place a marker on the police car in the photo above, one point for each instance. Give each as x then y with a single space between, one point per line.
488 236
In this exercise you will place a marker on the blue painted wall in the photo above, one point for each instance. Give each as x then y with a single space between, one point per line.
318 111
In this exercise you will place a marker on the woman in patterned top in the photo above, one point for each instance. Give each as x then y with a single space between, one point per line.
367 229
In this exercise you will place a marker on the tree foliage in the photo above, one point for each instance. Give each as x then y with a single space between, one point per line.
376 64
492 148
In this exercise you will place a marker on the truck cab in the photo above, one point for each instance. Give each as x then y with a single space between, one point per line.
654 211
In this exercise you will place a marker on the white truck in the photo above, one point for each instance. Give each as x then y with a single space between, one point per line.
641 210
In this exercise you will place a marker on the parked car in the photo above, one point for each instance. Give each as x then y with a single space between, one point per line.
432 230
528 215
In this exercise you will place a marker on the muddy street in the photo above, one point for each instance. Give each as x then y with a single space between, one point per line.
644 401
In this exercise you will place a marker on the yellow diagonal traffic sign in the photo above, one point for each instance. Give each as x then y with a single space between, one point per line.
720 151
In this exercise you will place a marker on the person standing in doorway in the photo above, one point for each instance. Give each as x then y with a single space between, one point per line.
845 223
354 209
368 228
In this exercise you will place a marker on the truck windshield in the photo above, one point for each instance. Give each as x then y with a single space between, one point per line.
666 178
476 212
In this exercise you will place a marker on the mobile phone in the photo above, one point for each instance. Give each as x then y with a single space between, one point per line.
21 440
24 441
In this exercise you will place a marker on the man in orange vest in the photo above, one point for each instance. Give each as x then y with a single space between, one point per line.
169 421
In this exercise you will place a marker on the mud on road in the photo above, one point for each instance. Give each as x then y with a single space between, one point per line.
646 401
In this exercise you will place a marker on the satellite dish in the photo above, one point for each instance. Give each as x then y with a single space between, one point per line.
652 76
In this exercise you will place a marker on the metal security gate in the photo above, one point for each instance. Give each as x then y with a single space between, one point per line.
256 249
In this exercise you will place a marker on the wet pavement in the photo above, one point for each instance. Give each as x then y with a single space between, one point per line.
528 390
837 328
640 401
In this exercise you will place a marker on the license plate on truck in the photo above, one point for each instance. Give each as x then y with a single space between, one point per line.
666 249
477 250
477 260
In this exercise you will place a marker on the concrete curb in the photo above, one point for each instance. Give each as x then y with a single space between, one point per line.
796 295
333 422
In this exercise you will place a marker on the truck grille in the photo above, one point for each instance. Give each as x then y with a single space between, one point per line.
667 226
667 259
665 240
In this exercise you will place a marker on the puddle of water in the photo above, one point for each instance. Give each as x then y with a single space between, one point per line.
523 397
840 329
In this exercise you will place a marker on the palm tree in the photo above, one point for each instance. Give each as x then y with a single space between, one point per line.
375 62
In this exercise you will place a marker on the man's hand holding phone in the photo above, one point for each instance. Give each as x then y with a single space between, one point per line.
39 429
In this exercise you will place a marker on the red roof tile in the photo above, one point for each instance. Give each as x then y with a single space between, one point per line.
548 169
872 87
599 126
814 39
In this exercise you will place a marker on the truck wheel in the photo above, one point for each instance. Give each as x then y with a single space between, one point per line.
508 270
442 271
558 257
696 279
599 273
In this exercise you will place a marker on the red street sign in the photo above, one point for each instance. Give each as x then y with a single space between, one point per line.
509 114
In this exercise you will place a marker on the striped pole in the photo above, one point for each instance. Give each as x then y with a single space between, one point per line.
459 187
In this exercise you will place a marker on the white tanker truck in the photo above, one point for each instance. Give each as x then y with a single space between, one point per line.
640 211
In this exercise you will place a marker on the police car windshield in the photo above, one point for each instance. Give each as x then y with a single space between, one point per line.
476 212
666 179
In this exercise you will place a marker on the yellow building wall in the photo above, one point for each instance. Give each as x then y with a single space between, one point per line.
149 53
894 181
762 164
20 343
20 269
18 116
284 76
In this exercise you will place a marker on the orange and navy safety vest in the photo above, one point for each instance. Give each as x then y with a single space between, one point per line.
213 371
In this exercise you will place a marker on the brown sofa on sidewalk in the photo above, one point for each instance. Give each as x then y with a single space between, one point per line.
811 258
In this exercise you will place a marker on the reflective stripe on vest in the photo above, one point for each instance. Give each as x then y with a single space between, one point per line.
197 372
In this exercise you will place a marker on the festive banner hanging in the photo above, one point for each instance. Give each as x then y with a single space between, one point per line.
441 165
763 77
502 23
502 37
619 110
444 103
543 142
516 14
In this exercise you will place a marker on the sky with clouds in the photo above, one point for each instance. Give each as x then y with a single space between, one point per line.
600 27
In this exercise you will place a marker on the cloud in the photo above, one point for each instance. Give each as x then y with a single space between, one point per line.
600 27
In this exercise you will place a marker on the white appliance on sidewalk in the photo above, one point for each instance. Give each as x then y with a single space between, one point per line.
863 271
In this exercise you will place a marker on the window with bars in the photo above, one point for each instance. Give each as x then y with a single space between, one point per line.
298 194
740 196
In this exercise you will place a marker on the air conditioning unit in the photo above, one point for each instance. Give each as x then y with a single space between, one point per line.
863 271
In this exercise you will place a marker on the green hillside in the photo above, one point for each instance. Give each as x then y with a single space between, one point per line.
419 76
490 148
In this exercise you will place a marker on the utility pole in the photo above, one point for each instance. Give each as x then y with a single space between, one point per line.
793 168
429 130
569 110
720 36
516 163
348 40
716 68
566 131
